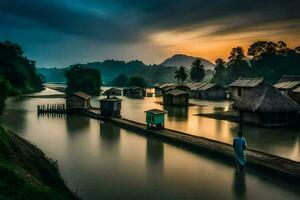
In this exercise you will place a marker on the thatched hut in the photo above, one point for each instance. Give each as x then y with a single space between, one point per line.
267 106
242 85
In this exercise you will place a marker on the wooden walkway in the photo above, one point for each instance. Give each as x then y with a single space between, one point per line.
52 108
268 163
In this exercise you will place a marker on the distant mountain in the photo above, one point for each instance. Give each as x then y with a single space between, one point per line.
184 60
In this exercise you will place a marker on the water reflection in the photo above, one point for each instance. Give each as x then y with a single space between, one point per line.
177 113
77 123
239 185
155 158
110 134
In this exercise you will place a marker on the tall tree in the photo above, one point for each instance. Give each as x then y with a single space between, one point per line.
180 74
19 71
238 65
83 79
197 72
220 74
137 81
120 81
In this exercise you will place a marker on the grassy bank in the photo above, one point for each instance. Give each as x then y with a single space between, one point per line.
26 172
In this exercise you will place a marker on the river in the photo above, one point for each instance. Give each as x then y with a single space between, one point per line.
102 160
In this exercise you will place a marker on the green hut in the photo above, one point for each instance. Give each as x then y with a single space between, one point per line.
267 106
155 118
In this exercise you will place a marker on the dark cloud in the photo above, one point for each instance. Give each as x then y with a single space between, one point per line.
130 20
61 31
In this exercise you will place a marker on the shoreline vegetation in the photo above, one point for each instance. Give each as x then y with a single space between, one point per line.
27 173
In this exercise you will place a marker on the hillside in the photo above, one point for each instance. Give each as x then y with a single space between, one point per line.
112 68
17 70
184 60
26 173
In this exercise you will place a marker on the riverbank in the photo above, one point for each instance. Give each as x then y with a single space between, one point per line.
267 163
26 172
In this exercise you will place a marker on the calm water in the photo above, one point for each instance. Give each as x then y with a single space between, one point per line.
284 142
102 160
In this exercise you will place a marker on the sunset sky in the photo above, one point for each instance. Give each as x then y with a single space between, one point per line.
60 33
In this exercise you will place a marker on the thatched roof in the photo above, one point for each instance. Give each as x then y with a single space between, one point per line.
247 82
297 90
288 82
265 98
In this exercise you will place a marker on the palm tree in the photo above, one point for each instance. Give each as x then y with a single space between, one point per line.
180 74
197 72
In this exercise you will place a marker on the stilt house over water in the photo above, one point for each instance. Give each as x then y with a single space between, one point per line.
176 97
77 101
110 107
267 106
242 85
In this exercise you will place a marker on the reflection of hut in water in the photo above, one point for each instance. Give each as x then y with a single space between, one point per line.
242 85
155 150
110 133
78 100
177 112
110 107
155 159
77 123
265 105
176 97
113 92
134 92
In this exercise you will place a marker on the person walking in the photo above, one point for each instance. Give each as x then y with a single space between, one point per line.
239 146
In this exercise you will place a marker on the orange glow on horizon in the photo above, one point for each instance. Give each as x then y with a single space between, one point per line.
201 43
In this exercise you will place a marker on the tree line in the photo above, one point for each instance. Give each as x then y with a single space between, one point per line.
265 59
17 72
